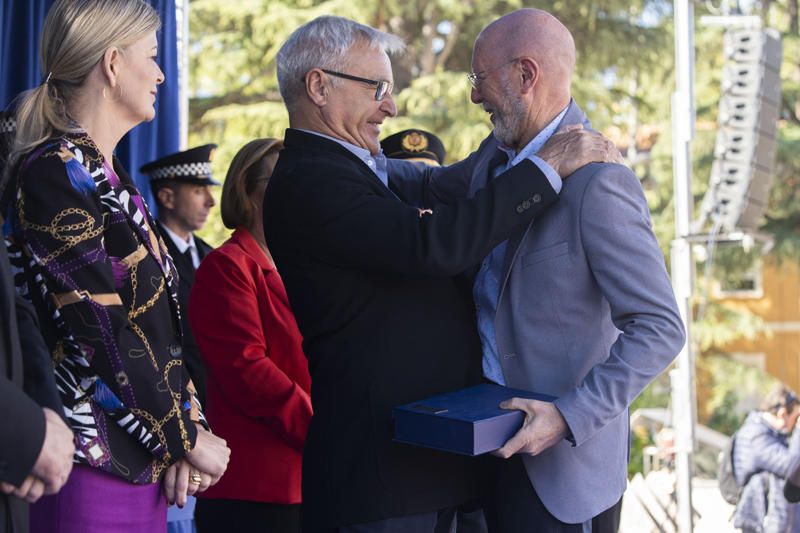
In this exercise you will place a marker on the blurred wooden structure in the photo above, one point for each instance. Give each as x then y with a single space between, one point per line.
775 297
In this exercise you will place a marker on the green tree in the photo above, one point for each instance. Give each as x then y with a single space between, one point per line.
624 81
234 95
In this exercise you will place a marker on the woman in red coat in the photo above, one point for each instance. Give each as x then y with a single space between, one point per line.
258 381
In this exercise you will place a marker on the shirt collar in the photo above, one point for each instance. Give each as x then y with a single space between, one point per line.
376 163
536 143
180 244
358 151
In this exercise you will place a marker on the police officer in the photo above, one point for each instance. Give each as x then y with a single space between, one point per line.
181 185
424 147
414 145
8 127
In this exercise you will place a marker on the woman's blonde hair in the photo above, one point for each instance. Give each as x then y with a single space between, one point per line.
251 165
75 37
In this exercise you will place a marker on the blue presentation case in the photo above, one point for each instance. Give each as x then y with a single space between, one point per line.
467 421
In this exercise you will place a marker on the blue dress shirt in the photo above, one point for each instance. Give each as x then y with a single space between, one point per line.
486 289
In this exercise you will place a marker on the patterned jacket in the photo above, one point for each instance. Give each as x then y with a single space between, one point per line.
85 252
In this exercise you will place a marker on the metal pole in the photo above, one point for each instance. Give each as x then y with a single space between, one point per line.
682 378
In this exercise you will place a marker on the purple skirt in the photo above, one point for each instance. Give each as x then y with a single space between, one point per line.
93 501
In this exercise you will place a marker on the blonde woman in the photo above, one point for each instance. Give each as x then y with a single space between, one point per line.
102 283
258 383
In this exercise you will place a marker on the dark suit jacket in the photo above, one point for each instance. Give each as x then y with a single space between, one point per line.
191 353
384 322
23 427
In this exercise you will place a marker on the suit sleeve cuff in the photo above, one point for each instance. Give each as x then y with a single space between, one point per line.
550 173
23 442
572 420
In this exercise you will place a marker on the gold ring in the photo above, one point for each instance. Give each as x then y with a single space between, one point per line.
195 479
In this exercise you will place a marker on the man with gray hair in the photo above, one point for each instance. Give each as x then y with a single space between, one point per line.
374 282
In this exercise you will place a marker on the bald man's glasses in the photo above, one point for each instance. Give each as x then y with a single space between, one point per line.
382 87
476 78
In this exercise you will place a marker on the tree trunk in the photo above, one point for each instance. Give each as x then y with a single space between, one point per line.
793 22
765 5
449 43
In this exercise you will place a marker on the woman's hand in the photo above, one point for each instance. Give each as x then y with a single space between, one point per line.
182 480
210 455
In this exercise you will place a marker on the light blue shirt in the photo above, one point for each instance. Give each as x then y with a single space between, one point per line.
376 163
486 290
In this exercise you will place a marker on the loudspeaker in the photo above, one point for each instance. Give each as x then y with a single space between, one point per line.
749 108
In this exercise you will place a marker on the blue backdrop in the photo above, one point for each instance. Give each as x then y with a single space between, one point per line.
20 25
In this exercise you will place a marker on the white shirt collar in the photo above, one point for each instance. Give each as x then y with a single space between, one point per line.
180 244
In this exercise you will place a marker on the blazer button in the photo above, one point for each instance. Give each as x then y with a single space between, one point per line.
526 204
520 209
175 350
537 198
122 379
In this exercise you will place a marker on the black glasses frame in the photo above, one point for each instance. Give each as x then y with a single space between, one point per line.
382 87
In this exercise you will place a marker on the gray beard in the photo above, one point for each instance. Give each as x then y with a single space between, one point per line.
507 122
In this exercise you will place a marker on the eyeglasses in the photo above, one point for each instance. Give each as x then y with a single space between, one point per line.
382 87
476 78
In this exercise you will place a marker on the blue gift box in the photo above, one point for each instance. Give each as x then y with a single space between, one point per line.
466 421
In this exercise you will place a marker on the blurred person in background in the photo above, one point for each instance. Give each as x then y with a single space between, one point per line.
87 256
181 184
763 454
258 382
414 145
420 146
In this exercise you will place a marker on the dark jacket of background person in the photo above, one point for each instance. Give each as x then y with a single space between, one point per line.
23 428
761 457
384 322
186 272
39 381
113 254
258 383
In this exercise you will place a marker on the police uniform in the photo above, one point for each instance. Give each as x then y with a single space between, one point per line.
414 145
424 147
8 127
192 166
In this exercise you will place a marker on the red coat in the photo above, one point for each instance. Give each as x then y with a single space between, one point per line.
258 383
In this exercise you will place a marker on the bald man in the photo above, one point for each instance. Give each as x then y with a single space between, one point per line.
577 304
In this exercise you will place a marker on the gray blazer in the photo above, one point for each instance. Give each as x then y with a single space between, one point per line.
586 313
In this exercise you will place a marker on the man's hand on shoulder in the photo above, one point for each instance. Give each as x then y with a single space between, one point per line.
543 427
572 147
